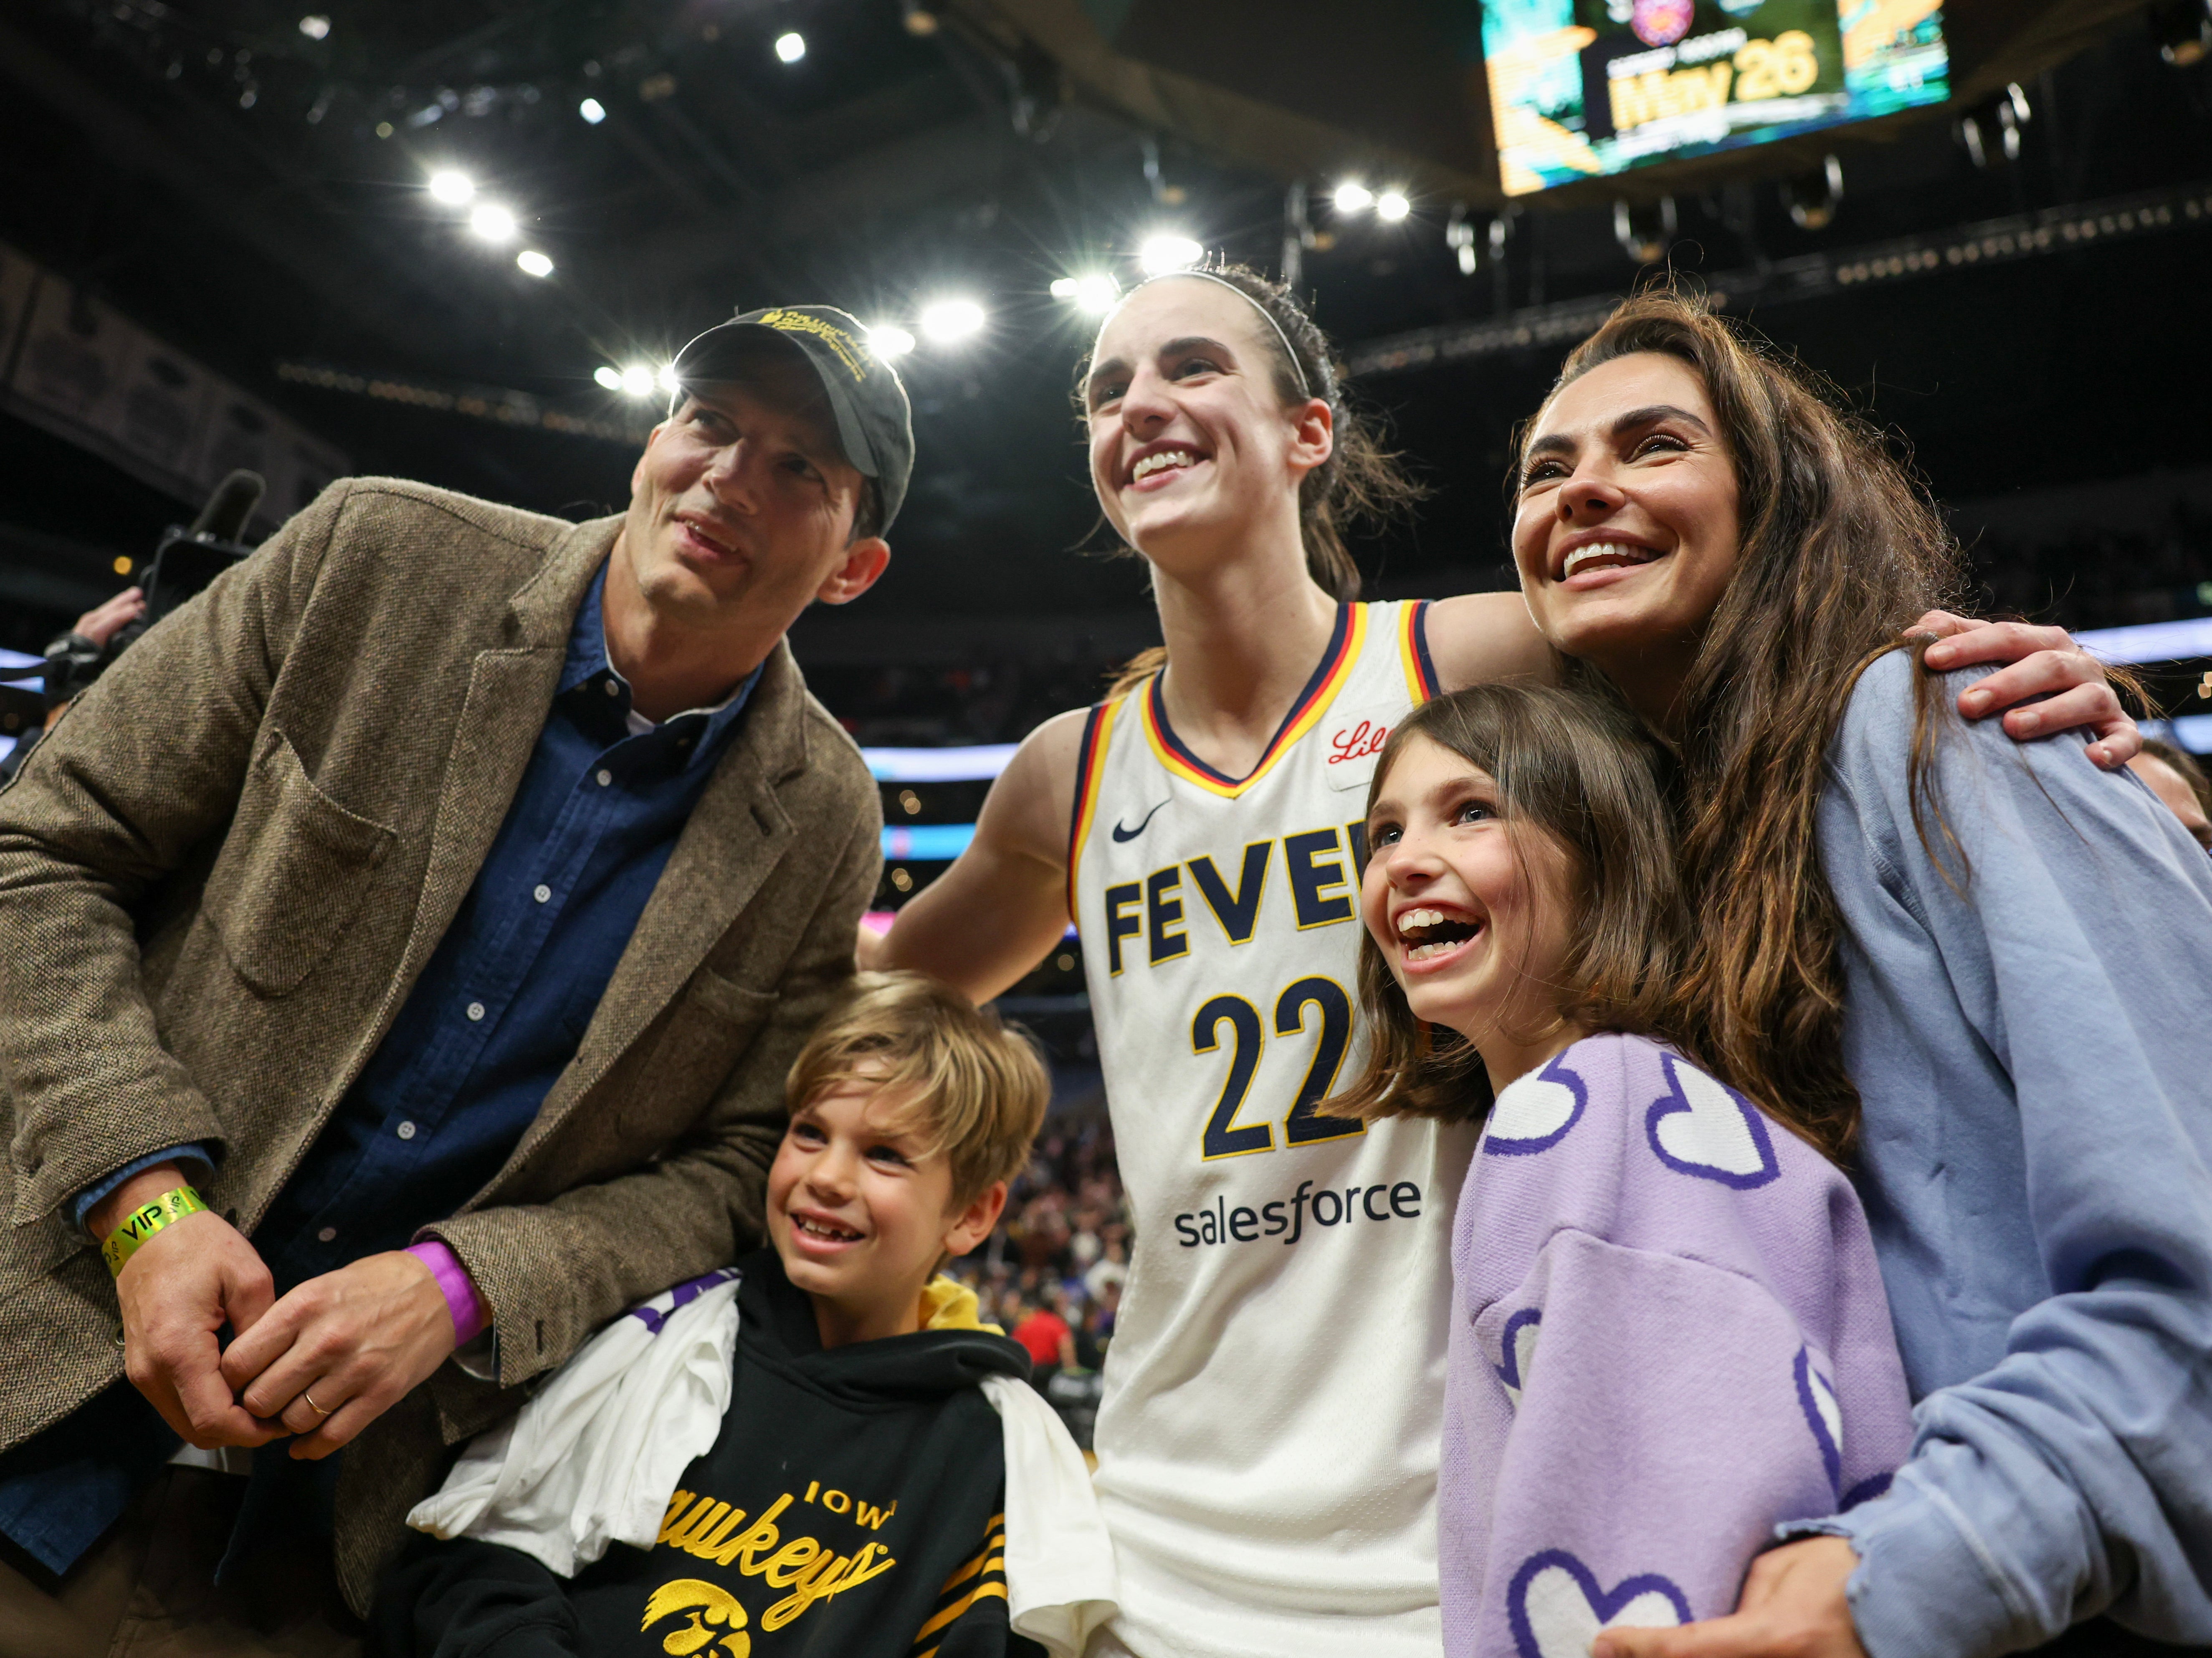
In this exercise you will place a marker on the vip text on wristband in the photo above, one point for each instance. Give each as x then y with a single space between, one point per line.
144 1221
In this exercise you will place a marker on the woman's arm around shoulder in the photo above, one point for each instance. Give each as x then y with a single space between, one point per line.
2034 662
2043 683
1478 638
1003 904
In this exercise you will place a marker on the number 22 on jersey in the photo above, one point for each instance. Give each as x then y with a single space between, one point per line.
1225 1137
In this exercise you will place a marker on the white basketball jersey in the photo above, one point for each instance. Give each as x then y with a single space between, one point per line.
1267 1444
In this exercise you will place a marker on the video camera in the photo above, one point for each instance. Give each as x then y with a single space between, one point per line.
184 564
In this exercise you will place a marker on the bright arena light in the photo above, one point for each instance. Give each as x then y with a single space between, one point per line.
493 222
533 262
609 378
665 379
791 47
592 111
1351 196
887 340
315 27
1096 291
451 188
1392 204
948 320
637 380
1160 254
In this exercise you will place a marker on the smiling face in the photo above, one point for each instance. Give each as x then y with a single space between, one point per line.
1626 533
860 1211
1190 440
742 505
1471 916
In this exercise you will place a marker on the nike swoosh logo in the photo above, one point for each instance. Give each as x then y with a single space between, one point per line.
1120 834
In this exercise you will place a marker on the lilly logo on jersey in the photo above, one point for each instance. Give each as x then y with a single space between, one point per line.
1330 1207
1358 744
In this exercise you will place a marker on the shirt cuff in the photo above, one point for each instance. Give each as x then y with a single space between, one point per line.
480 1357
1924 1588
93 1195
471 1315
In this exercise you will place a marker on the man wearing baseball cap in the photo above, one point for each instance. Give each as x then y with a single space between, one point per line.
407 940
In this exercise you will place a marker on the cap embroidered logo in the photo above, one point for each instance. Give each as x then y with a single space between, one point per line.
850 351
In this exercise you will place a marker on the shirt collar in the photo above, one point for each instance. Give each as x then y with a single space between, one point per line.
589 664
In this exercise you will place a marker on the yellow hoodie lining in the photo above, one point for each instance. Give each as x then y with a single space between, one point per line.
947 1305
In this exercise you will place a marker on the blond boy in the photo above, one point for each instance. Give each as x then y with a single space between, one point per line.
853 1500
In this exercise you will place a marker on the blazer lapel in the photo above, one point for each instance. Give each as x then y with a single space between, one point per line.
735 838
511 689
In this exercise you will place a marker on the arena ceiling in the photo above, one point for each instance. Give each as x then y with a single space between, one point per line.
246 180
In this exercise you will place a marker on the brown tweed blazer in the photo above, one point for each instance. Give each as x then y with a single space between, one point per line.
225 867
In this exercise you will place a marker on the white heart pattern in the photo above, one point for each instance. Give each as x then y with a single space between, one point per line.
1535 1113
1701 1127
1555 1607
1518 1338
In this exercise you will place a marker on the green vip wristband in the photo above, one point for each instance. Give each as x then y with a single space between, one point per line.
144 1221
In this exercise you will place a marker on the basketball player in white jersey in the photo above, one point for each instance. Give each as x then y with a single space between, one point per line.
1267 1445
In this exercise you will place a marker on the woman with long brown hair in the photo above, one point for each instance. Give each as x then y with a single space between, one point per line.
1973 970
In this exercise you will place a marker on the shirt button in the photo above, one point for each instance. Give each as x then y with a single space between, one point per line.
328 1235
476 1012
613 689
605 777
542 894
406 1131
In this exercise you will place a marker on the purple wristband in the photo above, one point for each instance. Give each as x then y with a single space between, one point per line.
471 1315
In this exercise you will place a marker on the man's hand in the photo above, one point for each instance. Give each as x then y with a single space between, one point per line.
358 1339
2041 660
1793 1606
177 1289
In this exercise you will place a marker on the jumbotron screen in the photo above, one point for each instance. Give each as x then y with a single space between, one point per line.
1587 89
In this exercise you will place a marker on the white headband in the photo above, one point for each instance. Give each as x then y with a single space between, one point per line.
1297 367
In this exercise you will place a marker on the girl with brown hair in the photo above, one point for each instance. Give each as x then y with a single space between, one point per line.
1636 1243
1974 969
1264 1496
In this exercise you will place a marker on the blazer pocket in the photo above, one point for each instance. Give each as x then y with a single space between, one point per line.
730 1002
292 874
715 1020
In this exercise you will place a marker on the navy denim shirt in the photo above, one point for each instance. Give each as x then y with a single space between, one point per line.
496 1015
504 1001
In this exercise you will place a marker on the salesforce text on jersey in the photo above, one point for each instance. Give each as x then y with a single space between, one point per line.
1329 1206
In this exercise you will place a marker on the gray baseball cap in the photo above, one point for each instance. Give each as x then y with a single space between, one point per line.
875 424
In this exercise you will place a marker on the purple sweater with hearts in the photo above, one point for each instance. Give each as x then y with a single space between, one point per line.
1669 1337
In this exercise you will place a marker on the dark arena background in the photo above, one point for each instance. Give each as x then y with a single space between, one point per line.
460 241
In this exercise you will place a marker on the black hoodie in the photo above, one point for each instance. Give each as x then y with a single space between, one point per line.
853 1507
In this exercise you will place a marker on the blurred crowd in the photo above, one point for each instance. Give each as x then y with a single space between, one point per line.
2100 579
896 705
1051 1275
